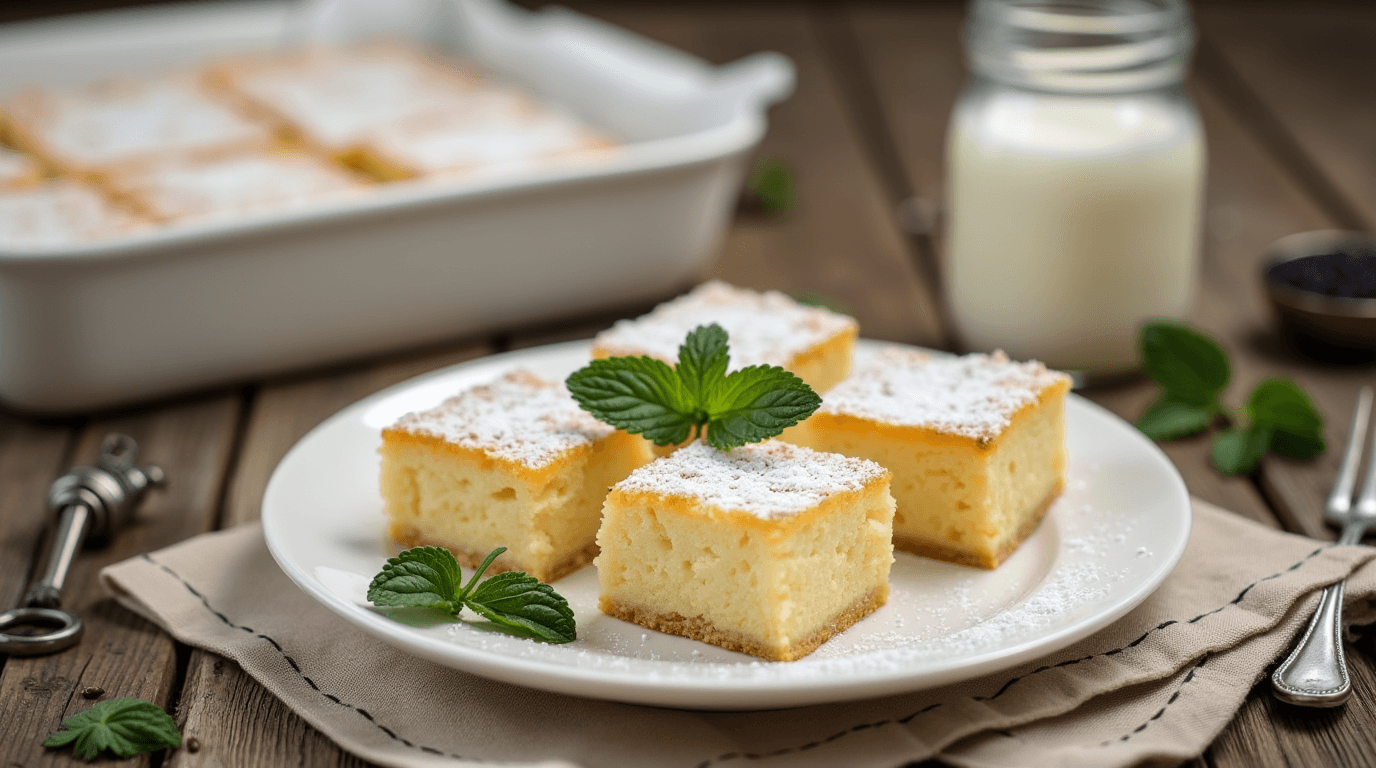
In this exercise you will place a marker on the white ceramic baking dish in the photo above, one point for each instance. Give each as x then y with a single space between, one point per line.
95 326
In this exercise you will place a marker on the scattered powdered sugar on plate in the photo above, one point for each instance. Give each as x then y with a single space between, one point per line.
762 328
769 480
937 614
519 418
973 396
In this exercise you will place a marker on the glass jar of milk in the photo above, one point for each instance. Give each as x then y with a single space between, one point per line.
1075 179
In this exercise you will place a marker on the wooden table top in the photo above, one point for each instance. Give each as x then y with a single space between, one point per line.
1288 97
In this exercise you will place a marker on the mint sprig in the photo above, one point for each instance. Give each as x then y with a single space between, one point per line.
769 187
430 577
124 727
1193 371
667 404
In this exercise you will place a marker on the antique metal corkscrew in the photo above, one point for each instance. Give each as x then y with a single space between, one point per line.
91 504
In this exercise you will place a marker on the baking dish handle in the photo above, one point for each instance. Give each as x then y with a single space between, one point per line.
758 80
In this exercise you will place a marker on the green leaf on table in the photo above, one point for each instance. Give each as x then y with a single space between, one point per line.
518 601
1298 446
647 397
420 577
1281 406
1169 419
757 403
123 727
1237 451
770 184
1191 367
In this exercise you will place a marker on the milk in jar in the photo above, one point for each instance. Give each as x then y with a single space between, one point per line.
1075 181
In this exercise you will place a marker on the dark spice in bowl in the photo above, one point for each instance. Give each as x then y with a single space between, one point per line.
1345 274
1322 286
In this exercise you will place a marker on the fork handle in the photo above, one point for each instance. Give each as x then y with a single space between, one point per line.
1315 673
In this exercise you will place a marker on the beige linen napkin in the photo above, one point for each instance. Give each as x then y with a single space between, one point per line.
1158 685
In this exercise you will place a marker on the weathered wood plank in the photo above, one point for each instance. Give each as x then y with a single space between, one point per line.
1302 72
31 455
234 720
284 411
841 242
121 653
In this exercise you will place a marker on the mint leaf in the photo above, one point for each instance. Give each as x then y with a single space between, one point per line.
1168 419
1191 367
702 362
1237 451
482 567
420 577
645 396
518 601
124 727
429 577
641 395
1280 405
1298 446
771 186
756 403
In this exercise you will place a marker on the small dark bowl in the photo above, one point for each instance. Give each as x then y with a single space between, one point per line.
1346 323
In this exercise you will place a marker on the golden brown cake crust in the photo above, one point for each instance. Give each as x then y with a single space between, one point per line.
698 628
408 537
921 547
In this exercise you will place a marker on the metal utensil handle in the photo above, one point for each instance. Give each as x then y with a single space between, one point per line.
71 532
1315 673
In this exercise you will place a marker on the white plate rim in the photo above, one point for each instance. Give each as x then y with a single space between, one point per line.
716 693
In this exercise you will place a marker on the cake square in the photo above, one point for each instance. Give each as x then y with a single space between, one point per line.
125 122
515 464
769 549
18 170
331 98
498 130
976 445
769 328
60 213
232 187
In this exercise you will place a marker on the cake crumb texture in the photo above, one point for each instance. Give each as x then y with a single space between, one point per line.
776 586
442 483
976 446
698 628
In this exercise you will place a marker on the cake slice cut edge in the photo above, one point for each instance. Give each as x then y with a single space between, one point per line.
772 581
512 464
976 445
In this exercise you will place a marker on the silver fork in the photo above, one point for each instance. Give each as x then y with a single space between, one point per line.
1315 673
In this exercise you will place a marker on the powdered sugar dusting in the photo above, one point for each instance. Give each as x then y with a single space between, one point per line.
119 120
764 328
769 480
336 96
972 396
60 213
254 183
519 418
17 168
